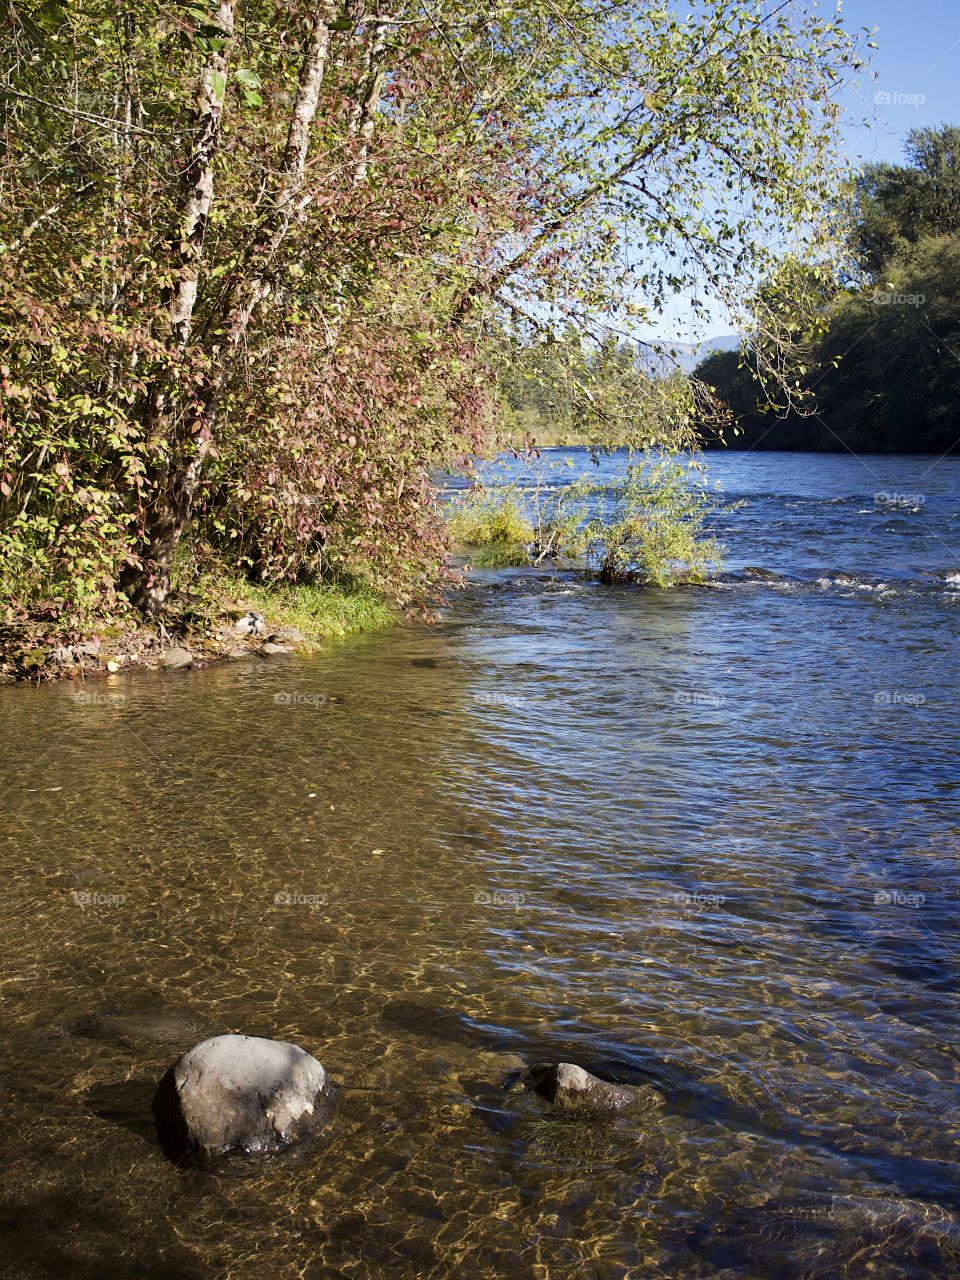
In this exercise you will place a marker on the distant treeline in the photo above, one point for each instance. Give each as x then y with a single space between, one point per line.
884 373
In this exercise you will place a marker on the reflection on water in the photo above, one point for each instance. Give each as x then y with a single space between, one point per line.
703 840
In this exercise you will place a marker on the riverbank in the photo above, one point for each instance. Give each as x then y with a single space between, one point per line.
213 622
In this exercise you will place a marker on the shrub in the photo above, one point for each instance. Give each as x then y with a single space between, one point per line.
647 527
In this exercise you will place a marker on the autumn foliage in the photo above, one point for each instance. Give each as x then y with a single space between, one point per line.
256 259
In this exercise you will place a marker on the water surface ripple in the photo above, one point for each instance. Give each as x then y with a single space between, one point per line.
705 839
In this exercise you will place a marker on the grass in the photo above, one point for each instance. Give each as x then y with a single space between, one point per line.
494 527
500 555
319 612
208 589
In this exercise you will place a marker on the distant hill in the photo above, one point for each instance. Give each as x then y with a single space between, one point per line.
665 357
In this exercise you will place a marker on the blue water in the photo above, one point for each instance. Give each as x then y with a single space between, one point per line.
798 514
706 839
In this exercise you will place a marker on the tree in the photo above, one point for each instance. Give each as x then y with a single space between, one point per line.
253 259
881 368
900 205
560 387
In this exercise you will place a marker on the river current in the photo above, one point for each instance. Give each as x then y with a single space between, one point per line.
705 839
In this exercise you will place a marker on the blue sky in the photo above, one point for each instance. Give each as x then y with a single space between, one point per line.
916 68
914 80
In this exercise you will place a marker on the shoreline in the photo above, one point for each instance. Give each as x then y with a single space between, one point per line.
245 623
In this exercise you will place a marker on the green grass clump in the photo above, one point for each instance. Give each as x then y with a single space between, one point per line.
494 526
501 555
320 611
206 591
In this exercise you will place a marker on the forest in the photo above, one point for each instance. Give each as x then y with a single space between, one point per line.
881 371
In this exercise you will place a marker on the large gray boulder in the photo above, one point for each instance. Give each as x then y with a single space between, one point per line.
239 1093
177 659
571 1088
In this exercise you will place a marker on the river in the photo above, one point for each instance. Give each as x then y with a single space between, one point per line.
705 839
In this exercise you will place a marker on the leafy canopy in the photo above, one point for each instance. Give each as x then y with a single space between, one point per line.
256 261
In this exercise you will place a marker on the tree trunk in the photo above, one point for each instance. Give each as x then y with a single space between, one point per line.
183 465
287 206
360 128
180 466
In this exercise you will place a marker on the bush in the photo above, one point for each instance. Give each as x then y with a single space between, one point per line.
648 526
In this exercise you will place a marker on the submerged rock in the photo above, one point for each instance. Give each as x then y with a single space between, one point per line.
176 659
571 1088
162 1028
764 575
239 1093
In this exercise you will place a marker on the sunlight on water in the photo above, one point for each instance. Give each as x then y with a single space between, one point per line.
706 840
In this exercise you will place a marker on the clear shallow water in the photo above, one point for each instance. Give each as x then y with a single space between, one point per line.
706 839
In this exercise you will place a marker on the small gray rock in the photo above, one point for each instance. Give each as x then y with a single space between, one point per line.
289 635
239 1093
274 650
571 1088
176 659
